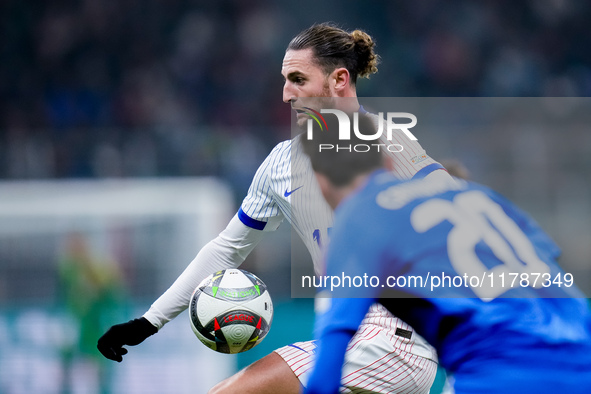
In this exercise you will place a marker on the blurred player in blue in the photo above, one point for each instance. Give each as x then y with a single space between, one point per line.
480 278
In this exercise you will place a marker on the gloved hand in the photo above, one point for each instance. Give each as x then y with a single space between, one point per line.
131 333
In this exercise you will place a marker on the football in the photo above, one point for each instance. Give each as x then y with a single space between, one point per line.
231 311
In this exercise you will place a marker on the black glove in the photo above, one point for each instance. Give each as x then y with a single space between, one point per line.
131 333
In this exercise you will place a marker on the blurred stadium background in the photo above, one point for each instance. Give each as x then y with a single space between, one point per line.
130 130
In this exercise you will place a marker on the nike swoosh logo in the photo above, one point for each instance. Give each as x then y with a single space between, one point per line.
288 193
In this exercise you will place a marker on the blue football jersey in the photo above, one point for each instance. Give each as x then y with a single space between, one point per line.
472 273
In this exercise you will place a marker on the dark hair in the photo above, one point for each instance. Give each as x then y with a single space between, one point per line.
333 47
341 166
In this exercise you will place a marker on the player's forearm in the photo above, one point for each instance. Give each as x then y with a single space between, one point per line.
334 329
176 298
228 250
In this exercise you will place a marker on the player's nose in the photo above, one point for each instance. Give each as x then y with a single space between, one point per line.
288 95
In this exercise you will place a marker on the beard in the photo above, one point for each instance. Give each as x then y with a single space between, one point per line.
322 100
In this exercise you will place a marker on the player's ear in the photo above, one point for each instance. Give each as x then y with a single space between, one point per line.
340 79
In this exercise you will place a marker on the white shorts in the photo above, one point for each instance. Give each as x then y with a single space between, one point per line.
372 364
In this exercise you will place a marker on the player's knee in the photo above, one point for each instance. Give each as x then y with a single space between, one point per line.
213 390
226 386
217 389
268 375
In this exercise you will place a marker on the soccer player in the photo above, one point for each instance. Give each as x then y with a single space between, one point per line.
502 315
322 61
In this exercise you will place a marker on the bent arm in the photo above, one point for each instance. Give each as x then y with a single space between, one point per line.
228 250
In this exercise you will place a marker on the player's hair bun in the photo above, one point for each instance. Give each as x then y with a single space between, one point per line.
368 59
334 47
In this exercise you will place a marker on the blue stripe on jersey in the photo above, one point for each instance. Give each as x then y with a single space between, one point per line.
297 347
423 172
250 222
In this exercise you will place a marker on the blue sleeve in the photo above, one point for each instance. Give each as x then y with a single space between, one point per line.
334 329
359 250
355 250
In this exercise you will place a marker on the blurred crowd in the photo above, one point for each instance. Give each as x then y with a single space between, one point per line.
97 88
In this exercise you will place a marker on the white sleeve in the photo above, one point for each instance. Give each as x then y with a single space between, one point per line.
260 208
227 250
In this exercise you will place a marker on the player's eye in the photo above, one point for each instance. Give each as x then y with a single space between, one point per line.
295 79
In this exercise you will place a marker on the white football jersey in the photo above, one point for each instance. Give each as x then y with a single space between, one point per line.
285 187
